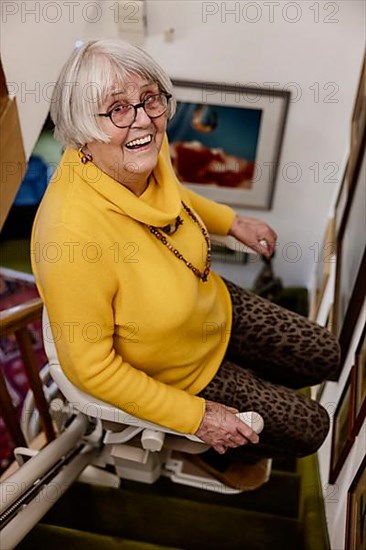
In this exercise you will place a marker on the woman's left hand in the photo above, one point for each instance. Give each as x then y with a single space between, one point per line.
254 233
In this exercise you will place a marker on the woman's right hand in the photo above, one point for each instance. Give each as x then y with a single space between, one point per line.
221 428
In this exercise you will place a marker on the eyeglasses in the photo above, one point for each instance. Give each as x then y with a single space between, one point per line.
124 116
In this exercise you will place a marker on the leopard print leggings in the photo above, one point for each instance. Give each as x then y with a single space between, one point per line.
272 352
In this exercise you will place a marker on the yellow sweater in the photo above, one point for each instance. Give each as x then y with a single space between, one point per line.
133 326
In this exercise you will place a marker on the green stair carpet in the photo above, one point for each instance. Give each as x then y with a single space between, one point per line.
62 538
280 496
285 513
167 521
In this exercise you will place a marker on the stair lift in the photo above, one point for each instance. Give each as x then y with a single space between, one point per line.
99 444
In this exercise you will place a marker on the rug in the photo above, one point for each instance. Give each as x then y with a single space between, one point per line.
16 288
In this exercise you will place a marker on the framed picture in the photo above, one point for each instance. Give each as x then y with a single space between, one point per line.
358 124
328 324
225 141
350 284
342 437
341 202
356 511
330 318
360 380
324 258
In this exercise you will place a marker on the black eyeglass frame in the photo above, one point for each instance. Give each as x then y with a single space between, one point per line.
138 106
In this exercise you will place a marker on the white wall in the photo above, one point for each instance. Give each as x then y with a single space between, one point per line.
335 496
228 48
36 39
32 51
225 48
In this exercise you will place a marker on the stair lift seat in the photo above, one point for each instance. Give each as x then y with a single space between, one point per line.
139 450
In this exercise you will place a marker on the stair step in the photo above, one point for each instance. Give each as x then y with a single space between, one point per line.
285 464
166 520
59 538
279 496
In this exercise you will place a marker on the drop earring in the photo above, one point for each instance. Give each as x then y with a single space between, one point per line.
84 157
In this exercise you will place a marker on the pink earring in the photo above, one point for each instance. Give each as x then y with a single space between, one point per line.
84 157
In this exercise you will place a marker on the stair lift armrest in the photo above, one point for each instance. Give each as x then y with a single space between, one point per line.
95 408
231 243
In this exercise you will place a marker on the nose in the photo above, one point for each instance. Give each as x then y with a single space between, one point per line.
141 119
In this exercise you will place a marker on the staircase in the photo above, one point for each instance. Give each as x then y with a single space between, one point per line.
286 513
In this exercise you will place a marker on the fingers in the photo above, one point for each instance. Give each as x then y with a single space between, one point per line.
231 409
271 240
231 442
240 440
252 232
247 432
221 428
267 239
267 243
234 440
264 247
221 445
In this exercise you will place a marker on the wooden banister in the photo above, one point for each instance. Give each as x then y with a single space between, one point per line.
15 320
17 317
8 413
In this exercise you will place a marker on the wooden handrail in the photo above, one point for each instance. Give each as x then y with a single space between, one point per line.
16 317
8 413
15 320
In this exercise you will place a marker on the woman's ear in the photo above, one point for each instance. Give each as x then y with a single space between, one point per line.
85 155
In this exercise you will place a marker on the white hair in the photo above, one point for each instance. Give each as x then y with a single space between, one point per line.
87 78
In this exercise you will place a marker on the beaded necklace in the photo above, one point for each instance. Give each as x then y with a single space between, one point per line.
203 275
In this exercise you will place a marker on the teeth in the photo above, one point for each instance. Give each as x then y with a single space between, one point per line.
141 141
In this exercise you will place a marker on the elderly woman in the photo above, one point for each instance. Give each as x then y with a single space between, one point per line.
122 262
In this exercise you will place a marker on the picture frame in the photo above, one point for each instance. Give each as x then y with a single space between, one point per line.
358 139
330 318
356 511
350 283
343 421
341 202
325 257
225 140
360 381
358 122
328 324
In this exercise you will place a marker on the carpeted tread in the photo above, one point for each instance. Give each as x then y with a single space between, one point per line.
171 521
60 538
285 464
279 496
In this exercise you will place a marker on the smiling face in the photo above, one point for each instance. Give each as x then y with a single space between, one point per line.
126 160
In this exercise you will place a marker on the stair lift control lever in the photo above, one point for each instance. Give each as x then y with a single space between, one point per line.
252 419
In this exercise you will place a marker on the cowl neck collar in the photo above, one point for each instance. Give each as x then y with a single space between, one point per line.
124 199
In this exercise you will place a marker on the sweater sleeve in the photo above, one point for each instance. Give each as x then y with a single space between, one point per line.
78 285
217 217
